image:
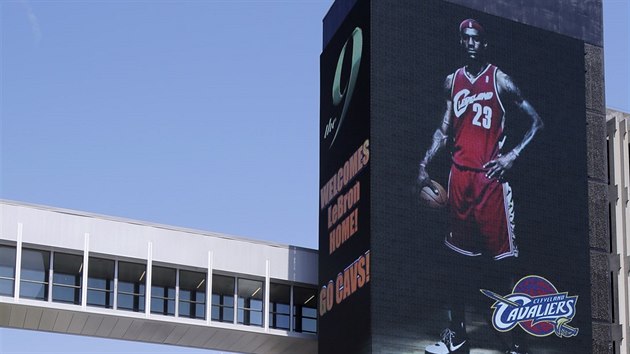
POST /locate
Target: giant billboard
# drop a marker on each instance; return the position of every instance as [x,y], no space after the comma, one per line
[344,199]
[493,111]
[459,165]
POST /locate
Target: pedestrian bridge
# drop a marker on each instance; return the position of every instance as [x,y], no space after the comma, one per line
[72,272]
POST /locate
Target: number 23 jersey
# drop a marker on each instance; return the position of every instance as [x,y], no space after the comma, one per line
[478,118]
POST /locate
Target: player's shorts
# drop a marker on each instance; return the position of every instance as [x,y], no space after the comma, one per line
[481,212]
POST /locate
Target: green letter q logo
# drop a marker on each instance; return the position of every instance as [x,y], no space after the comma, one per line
[337,95]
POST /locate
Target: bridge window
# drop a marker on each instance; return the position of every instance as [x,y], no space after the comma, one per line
[34,274]
[131,286]
[7,270]
[250,302]
[279,306]
[67,273]
[192,294]
[163,291]
[100,283]
[222,298]
[304,310]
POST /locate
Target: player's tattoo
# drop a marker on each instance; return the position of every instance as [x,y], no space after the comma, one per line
[439,141]
[508,88]
[440,137]
[509,91]
[537,124]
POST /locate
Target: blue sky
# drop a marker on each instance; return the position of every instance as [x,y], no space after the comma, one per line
[202,114]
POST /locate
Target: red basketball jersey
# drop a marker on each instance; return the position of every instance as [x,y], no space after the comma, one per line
[478,118]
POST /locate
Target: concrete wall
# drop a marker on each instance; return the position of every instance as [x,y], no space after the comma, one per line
[581,19]
[618,127]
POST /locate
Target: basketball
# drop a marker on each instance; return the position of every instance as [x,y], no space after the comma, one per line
[434,200]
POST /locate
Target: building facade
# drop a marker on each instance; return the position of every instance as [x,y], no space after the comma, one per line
[386,70]
[618,145]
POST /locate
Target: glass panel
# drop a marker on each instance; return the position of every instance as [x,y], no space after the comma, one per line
[7,270]
[223,308]
[101,274]
[256,304]
[131,302]
[256,318]
[305,297]
[184,309]
[66,279]
[250,304]
[67,273]
[103,284]
[35,265]
[193,281]
[223,298]
[67,269]
[199,297]
[66,294]
[309,312]
[280,293]
[279,305]
[131,286]
[282,309]
[163,290]
[131,272]
[184,295]
[227,315]
[280,321]
[309,325]
[32,290]
[222,285]
[192,294]
[163,307]
[215,312]
[163,277]
[200,311]
[100,298]
[163,293]
[304,310]
[7,262]
[6,287]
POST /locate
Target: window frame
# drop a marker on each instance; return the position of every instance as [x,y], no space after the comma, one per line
[7,279]
[111,293]
[26,281]
[57,285]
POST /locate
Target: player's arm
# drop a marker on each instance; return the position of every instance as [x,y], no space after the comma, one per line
[440,137]
[511,93]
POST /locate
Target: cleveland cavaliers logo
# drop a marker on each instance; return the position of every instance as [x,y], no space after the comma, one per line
[462,100]
[536,306]
[344,96]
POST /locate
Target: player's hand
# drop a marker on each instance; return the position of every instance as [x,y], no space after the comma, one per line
[424,180]
[500,165]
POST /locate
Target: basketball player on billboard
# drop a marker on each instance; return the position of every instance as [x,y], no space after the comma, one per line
[479,200]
